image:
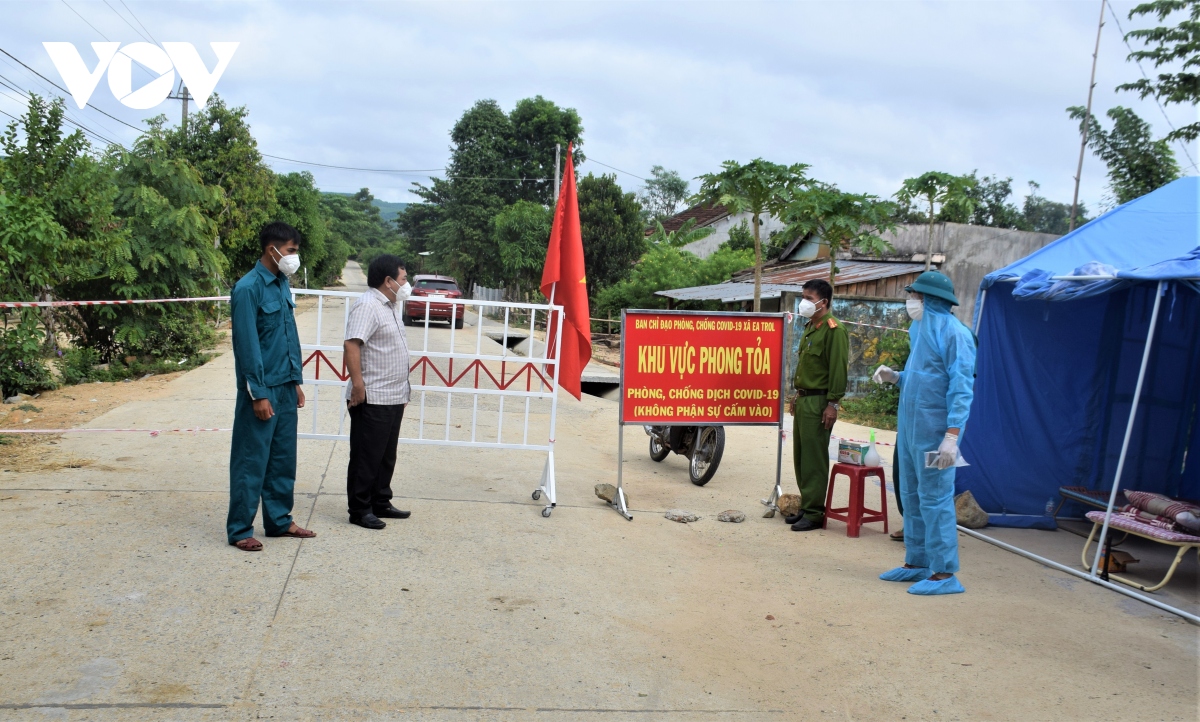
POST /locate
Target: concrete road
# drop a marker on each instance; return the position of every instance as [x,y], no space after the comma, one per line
[120,599]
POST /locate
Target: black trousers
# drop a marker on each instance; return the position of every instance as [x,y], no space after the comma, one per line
[374,430]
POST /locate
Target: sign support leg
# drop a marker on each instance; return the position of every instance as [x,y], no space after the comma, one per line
[618,501]
[778,490]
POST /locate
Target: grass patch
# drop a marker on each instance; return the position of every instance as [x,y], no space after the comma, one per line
[877,408]
[28,407]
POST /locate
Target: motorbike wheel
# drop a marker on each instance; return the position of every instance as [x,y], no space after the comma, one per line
[658,450]
[706,454]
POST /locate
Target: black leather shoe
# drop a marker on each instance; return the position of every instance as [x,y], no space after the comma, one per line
[805,525]
[368,521]
[792,519]
[392,512]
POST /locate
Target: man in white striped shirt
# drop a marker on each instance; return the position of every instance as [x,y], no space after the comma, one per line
[376,353]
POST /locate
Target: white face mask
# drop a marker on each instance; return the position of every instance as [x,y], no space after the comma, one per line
[915,308]
[288,264]
[402,292]
[807,308]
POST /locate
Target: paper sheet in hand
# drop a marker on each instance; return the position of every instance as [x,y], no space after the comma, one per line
[931,460]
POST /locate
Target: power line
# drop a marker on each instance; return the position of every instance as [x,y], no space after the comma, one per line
[25,97]
[365,170]
[67,112]
[1142,70]
[64,90]
[606,165]
[138,20]
[139,32]
[93,27]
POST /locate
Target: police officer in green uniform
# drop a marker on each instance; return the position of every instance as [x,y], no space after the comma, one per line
[266,352]
[820,384]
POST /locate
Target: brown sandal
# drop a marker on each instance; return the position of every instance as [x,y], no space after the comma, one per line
[297,532]
[249,544]
[897,535]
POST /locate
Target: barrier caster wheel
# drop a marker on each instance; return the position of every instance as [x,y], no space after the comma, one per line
[537,495]
[546,512]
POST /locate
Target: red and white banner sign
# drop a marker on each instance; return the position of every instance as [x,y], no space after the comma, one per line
[689,367]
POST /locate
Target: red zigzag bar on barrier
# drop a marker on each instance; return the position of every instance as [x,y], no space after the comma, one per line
[528,369]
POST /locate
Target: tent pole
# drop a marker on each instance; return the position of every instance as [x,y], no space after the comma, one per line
[1075,572]
[979,311]
[1137,395]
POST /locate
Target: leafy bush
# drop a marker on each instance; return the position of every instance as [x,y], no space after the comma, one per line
[81,365]
[22,369]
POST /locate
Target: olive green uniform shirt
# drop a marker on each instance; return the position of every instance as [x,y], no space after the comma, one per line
[824,358]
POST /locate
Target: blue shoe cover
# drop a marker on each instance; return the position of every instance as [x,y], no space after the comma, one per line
[950,585]
[903,574]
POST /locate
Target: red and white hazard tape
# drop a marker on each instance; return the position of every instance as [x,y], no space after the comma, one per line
[152,432]
[791,316]
[871,325]
[55,304]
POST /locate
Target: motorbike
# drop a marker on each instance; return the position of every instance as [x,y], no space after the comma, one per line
[702,445]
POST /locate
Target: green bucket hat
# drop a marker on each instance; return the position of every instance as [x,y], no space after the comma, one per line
[932,283]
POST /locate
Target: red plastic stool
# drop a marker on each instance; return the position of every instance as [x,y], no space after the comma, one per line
[856,514]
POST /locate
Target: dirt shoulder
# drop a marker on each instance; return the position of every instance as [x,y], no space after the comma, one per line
[72,407]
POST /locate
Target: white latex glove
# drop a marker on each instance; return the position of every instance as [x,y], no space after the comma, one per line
[947,452]
[884,375]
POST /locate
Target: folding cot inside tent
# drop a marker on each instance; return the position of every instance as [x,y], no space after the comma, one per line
[1066,351]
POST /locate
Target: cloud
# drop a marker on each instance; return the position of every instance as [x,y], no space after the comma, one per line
[868,93]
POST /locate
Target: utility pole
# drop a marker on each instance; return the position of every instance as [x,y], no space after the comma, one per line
[1087,120]
[181,93]
[557,169]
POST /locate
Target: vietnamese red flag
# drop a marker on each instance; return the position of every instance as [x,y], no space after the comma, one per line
[564,279]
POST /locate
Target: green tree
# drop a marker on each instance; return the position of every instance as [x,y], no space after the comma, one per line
[685,234]
[521,232]
[610,221]
[218,143]
[662,195]
[299,201]
[664,267]
[991,205]
[168,251]
[1137,164]
[356,222]
[1166,45]
[57,227]
[537,126]
[942,192]
[757,187]
[1042,215]
[840,220]
[481,181]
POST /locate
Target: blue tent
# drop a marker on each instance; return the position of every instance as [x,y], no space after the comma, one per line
[1064,336]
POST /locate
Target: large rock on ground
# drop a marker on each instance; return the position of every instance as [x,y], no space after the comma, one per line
[789,504]
[681,516]
[732,515]
[608,492]
[968,511]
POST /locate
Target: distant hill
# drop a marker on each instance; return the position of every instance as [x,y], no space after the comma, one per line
[387,210]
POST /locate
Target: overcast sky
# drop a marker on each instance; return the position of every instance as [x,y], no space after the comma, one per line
[867,93]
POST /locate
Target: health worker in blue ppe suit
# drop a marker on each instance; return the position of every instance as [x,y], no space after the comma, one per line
[936,388]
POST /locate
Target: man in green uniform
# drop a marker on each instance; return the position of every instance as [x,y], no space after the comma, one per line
[820,384]
[266,353]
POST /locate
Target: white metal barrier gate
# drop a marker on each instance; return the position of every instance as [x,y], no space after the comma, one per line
[486,375]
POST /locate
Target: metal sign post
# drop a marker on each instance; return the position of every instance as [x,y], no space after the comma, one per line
[700,368]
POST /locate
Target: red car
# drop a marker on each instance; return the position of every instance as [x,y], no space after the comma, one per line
[433,287]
